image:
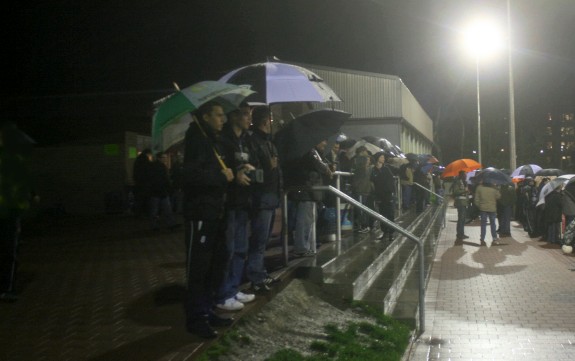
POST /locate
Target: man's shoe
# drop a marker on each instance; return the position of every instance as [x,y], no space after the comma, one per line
[496,242]
[308,253]
[202,328]
[231,304]
[465,236]
[216,321]
[270,280]
[261,288]
[244,297]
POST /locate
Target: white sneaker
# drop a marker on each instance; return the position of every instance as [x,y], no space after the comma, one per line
[231,304]
[245,298]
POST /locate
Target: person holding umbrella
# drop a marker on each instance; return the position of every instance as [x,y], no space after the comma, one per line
[486,196]
[308,171]
[206,180]
[461,201]
[384,192]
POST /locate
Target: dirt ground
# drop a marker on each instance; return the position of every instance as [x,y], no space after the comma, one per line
[293,319]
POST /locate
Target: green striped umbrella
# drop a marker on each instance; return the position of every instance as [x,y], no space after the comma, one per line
[172,110]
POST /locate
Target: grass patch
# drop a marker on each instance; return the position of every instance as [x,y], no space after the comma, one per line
[385,340]
[224,345]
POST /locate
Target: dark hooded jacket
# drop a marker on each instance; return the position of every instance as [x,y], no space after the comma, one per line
[205,185]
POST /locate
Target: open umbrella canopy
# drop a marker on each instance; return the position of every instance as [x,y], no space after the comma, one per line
[397,161]
[553,184]
[372,148]
[306,131]
[281,83]
[492,176]
[549,172]
[465,164]
[385,145]
[173,110]
[525,170]
[427,158]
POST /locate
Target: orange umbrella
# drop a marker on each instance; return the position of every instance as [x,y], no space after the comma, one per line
[453,168]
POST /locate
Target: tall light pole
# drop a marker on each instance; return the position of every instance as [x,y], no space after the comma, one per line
[478,114]
[512,151]
[482,38]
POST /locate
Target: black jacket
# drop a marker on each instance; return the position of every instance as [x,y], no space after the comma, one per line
[238,196]
[204,185]
[383,182]
[306,171]
[266,194]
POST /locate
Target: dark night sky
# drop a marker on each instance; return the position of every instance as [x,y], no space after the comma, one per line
[65,57]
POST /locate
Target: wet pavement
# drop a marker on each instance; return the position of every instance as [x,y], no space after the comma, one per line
[108,288]
[510,302]
[100,288]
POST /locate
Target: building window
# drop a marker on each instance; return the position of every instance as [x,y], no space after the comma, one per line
[567,131]
[548,131]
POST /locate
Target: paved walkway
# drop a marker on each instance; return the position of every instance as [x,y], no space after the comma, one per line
[100,288]
[509,302]
[107,288]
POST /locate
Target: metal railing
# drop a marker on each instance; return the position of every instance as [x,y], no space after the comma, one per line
[339,194]
[435,194]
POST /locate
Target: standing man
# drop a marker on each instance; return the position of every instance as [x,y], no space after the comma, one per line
[505,206]
[16,196]
[461,201]
[160,205]
[486,196]
[384,192]
[265,199]
[240,156]
[307,171]
[406,175]
[206,180]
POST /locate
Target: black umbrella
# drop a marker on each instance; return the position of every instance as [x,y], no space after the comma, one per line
[549,172]
[493,176]
[306,131]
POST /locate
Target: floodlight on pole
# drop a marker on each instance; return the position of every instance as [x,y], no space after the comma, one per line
[482,39]
[512,149]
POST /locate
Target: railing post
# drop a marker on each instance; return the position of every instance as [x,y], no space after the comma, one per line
[285,227]
[338,208]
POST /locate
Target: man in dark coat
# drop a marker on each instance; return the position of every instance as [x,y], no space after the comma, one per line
[309,170]
[265,199]
[241,159]
[384,192]
[206,179]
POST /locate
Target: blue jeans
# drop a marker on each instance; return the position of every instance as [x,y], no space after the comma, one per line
[237,247]
[161,206]
[304,222]
[261,227]
[492,216]
[461,218]
[406,195]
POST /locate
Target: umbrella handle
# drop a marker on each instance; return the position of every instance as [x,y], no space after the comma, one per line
[218,157]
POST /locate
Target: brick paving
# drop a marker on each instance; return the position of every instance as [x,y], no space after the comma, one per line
[509,302]
[107,288]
